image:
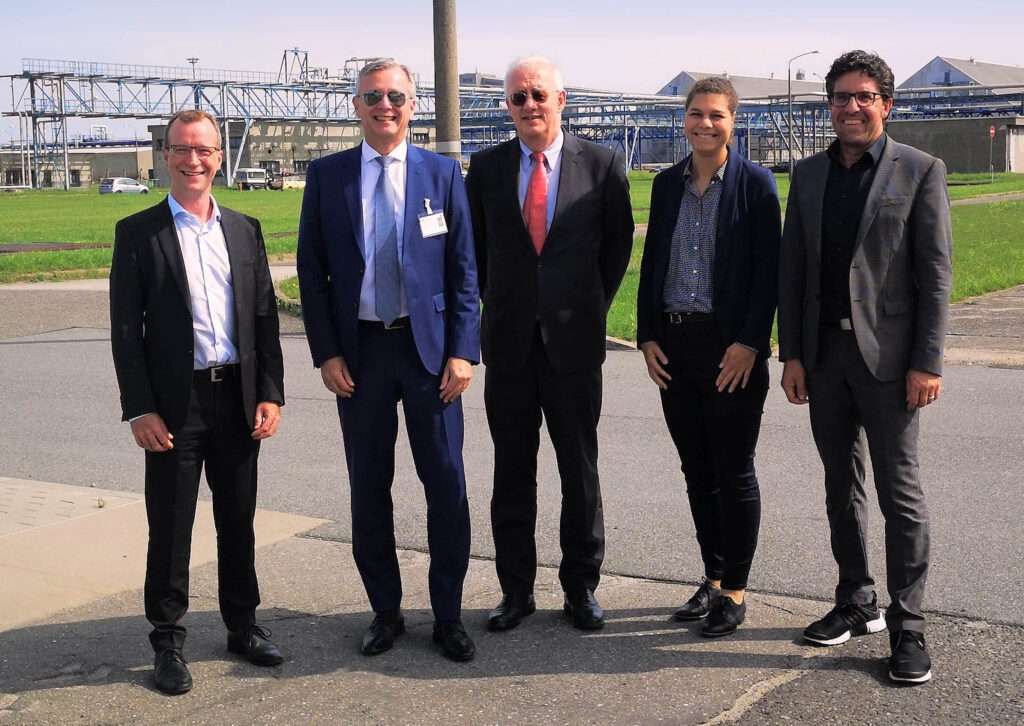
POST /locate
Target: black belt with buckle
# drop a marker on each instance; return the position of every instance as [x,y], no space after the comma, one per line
[396,324]
[215,374]
[679,318]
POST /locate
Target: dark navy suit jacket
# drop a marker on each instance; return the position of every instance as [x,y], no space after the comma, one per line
[439,273]
[745,271]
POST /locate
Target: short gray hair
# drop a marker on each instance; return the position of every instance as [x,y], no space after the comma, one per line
[384,64]
[531,61]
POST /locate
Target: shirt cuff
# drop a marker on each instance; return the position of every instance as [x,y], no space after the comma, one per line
[133,419]
[748,347]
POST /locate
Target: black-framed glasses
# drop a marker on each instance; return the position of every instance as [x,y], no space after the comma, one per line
[840,99]
[183,151]
[519,97]
[395,98]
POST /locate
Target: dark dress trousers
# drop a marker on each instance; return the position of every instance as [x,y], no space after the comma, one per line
[152,339]
[716,433]
[898,292]
[543,342]
[404,364]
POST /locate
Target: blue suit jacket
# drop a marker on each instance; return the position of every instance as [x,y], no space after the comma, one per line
[439,273]
[745,279]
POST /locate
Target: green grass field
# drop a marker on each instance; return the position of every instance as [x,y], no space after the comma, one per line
[988,238]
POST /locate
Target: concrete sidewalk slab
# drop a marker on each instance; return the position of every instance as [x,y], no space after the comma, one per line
[92,664]
[60,549]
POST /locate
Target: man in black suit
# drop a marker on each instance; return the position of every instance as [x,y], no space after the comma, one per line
[194,331]
[553,229]
[864,280]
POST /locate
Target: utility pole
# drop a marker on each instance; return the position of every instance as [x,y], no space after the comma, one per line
[446,81]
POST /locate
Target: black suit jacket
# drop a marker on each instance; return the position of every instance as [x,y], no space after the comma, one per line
[745,282]
[568,288]
[151,315]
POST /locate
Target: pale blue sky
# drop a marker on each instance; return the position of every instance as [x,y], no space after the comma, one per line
[636,45]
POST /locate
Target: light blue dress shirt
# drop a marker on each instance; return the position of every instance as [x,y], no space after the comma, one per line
[209,285]
[369,173]
[553,166]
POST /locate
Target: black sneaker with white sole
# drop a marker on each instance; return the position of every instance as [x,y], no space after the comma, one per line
[909,662]
[843,621]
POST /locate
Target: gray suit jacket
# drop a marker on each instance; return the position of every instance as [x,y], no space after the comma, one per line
[901,275]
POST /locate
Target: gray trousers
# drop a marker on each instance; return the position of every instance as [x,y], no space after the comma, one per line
[847,402]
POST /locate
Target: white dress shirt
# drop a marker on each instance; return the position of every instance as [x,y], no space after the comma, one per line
[369,174]
[553,166]
[209,285]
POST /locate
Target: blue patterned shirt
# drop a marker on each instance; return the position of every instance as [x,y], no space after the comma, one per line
[688,282]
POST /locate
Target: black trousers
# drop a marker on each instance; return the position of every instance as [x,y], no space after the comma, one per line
[846,403]
[215,435]
[571,405]
[715,435]
[391,371]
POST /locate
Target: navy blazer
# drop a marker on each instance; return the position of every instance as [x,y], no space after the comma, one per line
[745,284]
[439,273]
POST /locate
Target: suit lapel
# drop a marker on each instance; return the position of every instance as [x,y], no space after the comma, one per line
[167,236]
[509,190]
[415,193]
[569,183]
[882,175]
[235,242]
[351,182]
[673,202]
[813,199]
[723,225]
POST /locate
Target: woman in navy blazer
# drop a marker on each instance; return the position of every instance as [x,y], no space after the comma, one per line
[708,289]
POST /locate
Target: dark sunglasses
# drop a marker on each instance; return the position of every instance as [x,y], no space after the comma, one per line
[372,98]
[519,97]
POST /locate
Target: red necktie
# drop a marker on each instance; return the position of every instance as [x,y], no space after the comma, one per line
[535,208]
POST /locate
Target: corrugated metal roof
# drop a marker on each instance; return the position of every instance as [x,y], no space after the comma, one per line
[986,74]
[746,86]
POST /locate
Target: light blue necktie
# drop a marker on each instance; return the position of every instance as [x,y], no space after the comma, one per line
[386,269]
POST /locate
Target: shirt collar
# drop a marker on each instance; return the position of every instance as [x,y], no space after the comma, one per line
[874,152]
[551,153]
[719,174]
[399,153]
[177,209]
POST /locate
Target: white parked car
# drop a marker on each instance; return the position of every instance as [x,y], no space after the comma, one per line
[122,185]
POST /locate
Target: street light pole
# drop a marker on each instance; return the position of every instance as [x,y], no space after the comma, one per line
[789,96]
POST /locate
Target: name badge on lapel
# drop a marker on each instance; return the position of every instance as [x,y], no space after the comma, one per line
[432,223]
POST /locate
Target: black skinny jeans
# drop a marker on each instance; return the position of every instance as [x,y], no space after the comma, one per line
[715,435]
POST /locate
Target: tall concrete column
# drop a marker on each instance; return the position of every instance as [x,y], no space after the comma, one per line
[446,81]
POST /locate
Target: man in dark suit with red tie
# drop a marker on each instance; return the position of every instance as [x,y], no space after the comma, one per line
[554,230]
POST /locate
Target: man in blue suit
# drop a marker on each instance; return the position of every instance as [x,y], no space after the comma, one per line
[387,276]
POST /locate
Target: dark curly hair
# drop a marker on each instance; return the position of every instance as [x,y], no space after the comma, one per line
[714,85]
[871,64]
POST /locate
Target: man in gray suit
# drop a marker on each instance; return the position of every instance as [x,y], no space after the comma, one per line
[865,278]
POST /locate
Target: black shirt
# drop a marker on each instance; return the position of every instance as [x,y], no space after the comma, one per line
[846,192]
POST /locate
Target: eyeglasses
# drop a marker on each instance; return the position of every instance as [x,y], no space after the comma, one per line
[372,98]
[840,99]
[519,97]
[183,151]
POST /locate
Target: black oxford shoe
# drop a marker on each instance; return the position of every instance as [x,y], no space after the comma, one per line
[510,612]
[698,606]
[255,646]
[170,672]
[454,641]
[381,634]
[584,610]
[724,618]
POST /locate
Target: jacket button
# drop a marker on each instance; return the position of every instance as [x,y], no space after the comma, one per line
[540,265]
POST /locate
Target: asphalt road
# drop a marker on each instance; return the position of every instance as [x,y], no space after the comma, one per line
[61,424]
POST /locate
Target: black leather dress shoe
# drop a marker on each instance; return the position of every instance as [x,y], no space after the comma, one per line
[698,606]
[170,672]
[381,634]
[584,610]
[510,611]
[724,618]
[255,646]
[454,641]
